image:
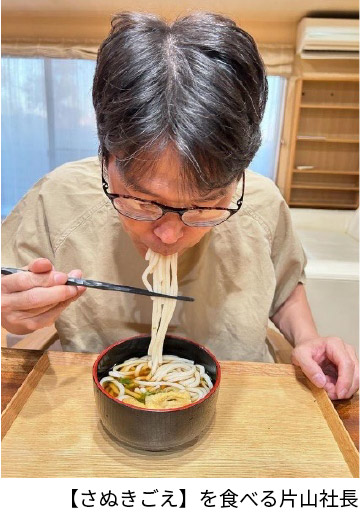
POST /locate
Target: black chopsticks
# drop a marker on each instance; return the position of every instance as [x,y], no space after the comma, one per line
[94,284]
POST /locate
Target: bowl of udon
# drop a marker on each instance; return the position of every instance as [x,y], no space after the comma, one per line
[160,409]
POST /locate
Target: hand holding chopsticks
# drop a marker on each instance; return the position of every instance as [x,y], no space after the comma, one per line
[35,298]
[107,286]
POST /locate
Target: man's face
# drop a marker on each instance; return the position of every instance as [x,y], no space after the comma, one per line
[168,234]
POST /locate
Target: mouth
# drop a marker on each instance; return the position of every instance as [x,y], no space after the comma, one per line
[164,250]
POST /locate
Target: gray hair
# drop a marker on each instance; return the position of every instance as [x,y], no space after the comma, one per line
[198,84]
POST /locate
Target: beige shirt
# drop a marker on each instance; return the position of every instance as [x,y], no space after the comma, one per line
[239,273]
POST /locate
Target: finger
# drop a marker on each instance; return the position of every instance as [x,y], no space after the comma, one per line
[355,386]
[48,318]
[311,369]
[38,297]
[337,353]
[351,351]
[23,281]
[355,382]
[66,303]
[40,265]
[80,292]
[23,315]
[330,389]
[77,273]
[45,316]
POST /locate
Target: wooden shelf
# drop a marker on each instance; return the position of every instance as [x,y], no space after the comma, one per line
[335,139]
[324,195]
[328,206]
[343,106]
[350,78]
[326,171]
[337,183]
[326,140]
[323,187]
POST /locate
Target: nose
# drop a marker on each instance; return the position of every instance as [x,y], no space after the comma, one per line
[169,228]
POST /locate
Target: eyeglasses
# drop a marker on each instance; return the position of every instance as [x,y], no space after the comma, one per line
[144,210]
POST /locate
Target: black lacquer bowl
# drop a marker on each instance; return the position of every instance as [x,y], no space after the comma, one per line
[155,430]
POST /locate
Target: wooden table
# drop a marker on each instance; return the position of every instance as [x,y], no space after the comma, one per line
[17,364]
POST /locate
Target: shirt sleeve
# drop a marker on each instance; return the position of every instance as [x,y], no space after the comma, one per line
[25,233]
[288,258]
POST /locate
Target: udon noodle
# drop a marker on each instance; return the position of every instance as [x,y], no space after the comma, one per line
[164,271]
[155,380]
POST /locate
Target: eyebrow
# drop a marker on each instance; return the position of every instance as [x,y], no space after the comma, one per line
[137,187]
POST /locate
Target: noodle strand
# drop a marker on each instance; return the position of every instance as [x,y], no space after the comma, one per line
[168,373]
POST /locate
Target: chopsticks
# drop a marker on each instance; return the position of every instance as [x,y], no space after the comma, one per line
[94,284]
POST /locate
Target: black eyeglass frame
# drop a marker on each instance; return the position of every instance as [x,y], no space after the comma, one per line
[169,209]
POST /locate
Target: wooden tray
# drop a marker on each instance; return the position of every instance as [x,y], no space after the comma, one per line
[270,422]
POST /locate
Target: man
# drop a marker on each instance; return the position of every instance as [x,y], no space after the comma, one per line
[178,110]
